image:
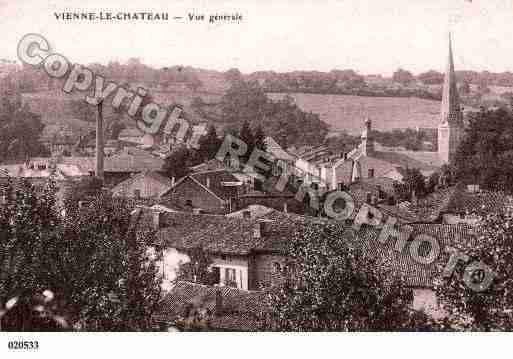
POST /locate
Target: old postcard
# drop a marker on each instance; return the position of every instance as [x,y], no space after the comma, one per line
[312,166]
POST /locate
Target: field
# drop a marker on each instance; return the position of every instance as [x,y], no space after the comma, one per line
[346,113]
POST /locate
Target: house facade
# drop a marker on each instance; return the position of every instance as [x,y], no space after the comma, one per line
[210,191]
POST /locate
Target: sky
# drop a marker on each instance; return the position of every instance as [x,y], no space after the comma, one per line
[369,36]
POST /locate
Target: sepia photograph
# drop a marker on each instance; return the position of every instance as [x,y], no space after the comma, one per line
[255,168]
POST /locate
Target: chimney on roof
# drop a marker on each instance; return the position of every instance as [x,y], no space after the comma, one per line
[196,210]
[246,214]
[208,182]
[285,207]
[173,181]
[99,143]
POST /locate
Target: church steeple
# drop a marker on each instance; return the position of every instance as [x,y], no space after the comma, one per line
[450,100]
[450,129]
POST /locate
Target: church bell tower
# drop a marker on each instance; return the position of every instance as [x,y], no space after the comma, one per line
[450,129]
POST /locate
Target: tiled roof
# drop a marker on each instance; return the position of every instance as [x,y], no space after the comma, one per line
[237,310]
[217,234]
[133,160]
[124,186]
[216,180]
[415,274]
[430,208]
[129,160]
[466,202]
[211,165]
[255,210]
[220,234]
[277,151]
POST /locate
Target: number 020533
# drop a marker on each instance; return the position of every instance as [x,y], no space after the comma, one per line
[23,345]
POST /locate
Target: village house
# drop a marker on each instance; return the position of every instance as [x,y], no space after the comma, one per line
[208,192]
[147,185]
[283,161]
[119,166]
[39,170]
[250,253]
[247,253]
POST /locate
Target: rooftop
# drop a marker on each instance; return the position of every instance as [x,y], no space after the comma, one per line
[228,308]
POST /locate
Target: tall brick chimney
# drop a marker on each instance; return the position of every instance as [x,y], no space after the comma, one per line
[99,143]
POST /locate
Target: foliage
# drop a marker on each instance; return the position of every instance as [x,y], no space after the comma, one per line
[198,269]
[330,285]
[247,102]
[488,309]
[83,190]
[485,155]
[83,110]
[408,138]
[39,313]
[431,77]
[95,259]
[464,88]
[179,162]
[402,76]
[20,130]
[209,144]
[246,136]
[259,138]
[413,184]
[342,142]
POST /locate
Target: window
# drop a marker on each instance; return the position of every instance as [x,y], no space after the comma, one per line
[137,193]
[230,277]
[216,275]
[188,203]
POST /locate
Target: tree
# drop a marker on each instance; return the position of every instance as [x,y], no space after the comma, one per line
[259,138]
[412,186]
[97,259]
[20,129]
[288,124]
[431,77]
[179,162]
[464,87]
[84,111]
[403,77]
[209,144]
[477,293]
[331,285]
[246,135]
[198,269]
[114,129]
[233,75]
[485,155]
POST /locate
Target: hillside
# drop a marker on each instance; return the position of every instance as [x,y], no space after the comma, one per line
[346,113]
